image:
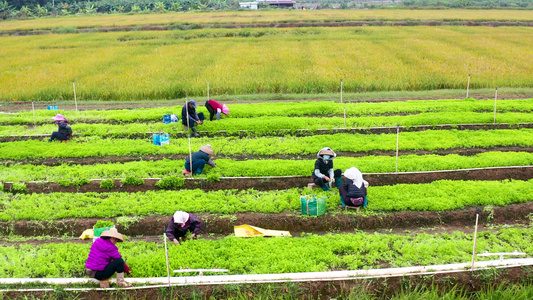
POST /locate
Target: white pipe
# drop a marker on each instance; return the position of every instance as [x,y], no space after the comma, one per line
[292,277]
[397,145]
[468,86]
[75,98]
[166,255]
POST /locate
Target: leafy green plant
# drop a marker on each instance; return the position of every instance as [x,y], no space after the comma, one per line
[19,187]
[132,180]
[213,177]
[65,183]
[1,186]
[125,221]
[107,184]
[80,182]
[169,183]
[102,224]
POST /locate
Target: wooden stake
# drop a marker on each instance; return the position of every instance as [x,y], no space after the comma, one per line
[34,120]
[75,98]
[166,254]
[397,145]
[188,134]
[468,86]
[342,83]
[475,242]
[495,100]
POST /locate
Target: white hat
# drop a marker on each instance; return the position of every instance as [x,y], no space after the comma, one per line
[207,149]
[113,232]
[181,217]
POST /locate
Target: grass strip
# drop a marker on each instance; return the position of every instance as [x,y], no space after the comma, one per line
[274,255]
[257,168]
[436,196]
[426,140]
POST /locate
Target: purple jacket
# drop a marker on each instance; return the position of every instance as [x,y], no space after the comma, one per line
[102,253]
[193,224]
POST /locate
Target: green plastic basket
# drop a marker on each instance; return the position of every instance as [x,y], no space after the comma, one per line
[313,205]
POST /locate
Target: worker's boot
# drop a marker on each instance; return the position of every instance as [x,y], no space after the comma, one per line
[104,284]
[194,132]
[121,282]
[199,171]
[342,202]
[325,187]
[338,182]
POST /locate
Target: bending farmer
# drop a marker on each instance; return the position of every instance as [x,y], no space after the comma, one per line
[199,159]
[180,223]
[215,107]
[353,191]
[193,119]
[64,132]
[323,173]
[104,259]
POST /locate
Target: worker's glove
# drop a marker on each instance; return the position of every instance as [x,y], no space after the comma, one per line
[211,163]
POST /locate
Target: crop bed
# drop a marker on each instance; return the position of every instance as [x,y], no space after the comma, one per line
[422,205]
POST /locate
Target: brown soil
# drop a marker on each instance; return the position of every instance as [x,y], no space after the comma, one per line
[267,184]
[339,221]
[380,288]
[300,132]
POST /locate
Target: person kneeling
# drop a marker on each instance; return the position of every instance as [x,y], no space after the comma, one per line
[104,259]
[353,191]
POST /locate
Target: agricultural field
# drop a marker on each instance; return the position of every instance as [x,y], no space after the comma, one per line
[433,164]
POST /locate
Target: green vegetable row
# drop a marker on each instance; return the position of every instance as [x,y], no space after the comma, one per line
[256,168]
[426,140]
[438,195]
[274,255]
[276,126]
[253,110]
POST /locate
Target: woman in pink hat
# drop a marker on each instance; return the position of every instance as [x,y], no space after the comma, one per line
[215,107]
[64,132]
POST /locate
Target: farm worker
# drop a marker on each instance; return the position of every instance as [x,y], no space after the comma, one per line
[215,107]
[353,191]
[323,173]
[199,160]
[64,132]
[180,223]
[193,117]
[104,259]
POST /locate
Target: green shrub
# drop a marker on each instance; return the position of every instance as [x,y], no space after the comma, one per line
[65,183]
[169,183]
[107,184]
[101,224]
[19,187]
[213,177]
[81,182]
[1,186]
[126,221]
[132,180]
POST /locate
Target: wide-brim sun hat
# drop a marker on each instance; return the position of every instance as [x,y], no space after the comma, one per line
[207,149]
[326,152]
[193,103]
[59,117]
[113,232]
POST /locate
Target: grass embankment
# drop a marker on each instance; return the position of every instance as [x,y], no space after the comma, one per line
[169,65]
[254,17]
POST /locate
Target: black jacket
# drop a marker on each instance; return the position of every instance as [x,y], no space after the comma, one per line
[352,190]
[323,167]
[64,129]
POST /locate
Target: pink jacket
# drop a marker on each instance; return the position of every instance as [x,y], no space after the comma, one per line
[102,253]
[215,105]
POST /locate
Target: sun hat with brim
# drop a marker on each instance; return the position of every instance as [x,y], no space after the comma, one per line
[207,149]
[326,152]
[113,232]
[193,103]
[59,117]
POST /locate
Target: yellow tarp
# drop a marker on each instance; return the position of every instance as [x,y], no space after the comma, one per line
[87,234]
[251,231]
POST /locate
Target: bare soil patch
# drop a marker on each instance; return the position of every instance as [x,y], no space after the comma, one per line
[334,221]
